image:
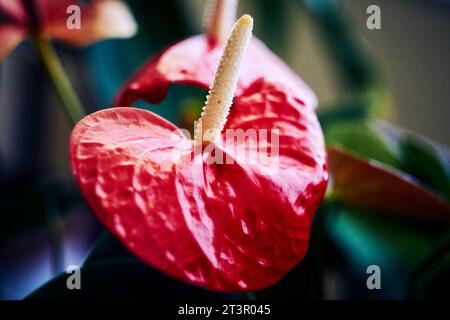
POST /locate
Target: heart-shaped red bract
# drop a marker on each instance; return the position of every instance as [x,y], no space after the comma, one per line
[226,227]
[194,62]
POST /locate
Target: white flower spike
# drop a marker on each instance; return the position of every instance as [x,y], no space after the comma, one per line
[222,90]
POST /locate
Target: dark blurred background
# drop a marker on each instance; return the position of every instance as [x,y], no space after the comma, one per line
[410,55]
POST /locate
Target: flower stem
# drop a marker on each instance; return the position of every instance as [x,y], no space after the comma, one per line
[55,70]
[223,87]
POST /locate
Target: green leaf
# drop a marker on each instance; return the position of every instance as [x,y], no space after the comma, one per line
[363,140]
[423,161]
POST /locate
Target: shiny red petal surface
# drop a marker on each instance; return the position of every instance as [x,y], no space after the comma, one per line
[194,62]
[227,227]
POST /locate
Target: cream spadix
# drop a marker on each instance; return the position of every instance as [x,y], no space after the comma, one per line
[223,87]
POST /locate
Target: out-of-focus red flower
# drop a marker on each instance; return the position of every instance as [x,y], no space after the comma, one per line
[100,19]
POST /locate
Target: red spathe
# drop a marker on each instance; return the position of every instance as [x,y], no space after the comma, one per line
[226,227]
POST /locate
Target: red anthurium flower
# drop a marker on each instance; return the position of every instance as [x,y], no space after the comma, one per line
[239,225]
[99,19]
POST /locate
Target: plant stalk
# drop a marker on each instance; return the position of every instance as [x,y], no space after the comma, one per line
[55,70]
